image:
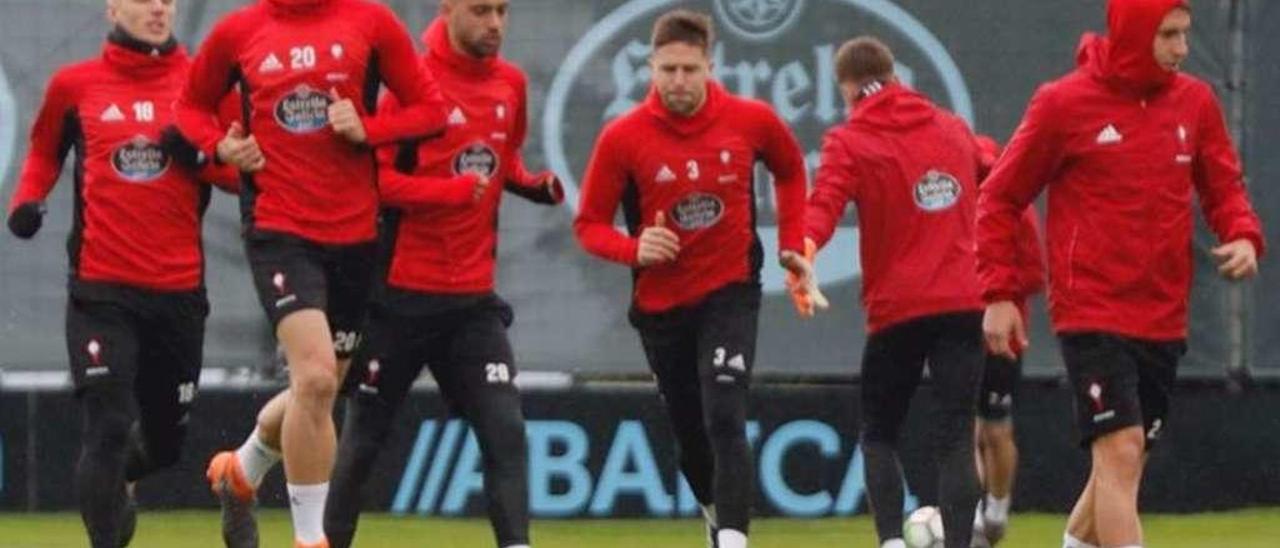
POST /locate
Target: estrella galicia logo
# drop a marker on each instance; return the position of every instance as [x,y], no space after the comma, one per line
[476,158]
[304,110]
[777,51]
[697,210]
[140,161]
[758,19]
[936,191]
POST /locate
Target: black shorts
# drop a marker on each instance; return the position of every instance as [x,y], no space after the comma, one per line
[894,361]
[1120,382]
[1000,378]
[713,341]
[462,340]
[292,274]
[151,342]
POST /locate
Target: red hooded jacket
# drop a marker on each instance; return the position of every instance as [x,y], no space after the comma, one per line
[137,205]
[699,171]
[443,243]
[1121,144]
[911,169]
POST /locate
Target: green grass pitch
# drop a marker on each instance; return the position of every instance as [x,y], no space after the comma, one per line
[181,529]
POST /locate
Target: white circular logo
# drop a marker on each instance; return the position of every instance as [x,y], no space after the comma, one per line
[758,20]
[936,191]
[606,74]
[476,158]
[140,161]
[304,110]
[697,211]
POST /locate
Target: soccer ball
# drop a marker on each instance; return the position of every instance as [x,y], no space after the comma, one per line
[923,528]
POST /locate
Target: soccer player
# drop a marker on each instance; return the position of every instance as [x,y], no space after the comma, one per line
[681,164]
[996,446]
[438,305]
[911,169]
[1122,142]
[137,306]
[309,72]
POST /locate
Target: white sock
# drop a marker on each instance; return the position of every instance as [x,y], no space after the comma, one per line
[997,510]
[1069,541]
[978,524]
[256,459]
[306,503]
[894,543]
[709,513]
[731,538]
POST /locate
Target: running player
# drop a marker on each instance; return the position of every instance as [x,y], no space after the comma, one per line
[438,306]
[137,306]
[309,73]
[681,164]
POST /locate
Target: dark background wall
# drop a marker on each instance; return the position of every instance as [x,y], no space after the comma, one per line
[570,308]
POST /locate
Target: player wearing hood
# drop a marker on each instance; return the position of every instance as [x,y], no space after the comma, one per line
[1122,143]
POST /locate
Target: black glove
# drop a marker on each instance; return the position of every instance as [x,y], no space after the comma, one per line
[182,151]
[25,219]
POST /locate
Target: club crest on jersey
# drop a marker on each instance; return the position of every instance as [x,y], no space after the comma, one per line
[305,110]
[140,160]
[336,50]
[96,367]
[936,191]
[476,158]
[697,210]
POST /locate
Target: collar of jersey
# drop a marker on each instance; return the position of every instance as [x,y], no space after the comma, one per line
[133,56]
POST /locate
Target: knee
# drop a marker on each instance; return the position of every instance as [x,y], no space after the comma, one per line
[108,421]
[725,423]
[1119,454]
[997,435]
[315,382]
[502,432]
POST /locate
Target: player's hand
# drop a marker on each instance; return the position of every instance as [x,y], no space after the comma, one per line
[801,281]
[658,244]
[345,119]
[479,185]
[1237,260]
[26,219]
[552,185]
[1003,329]
[241,150]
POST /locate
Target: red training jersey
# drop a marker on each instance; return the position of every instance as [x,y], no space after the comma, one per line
[137,208]
[289,56]
[443,242]
[698,170]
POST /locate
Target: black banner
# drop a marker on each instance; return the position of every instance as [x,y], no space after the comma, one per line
[598,453]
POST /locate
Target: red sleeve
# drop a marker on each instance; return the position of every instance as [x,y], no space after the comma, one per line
[988,152]
[224,176]
[520,182]
[1030,260]
[399,187]
[835,186]
[422,105]
[785,160]
[1220,182]
[208,83]
[602,188]
[50,143]
[1028,163]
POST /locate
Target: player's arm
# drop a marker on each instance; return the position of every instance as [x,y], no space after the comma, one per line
[540,188]
[1027,164]
[1030,260]
[835,185]
[785,160]
[421,111]
[212,75]
[51,140]
[222,175]
[602,188]
[399,187]
[1220,184]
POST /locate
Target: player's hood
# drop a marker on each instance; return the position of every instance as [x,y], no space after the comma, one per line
[894,106]
[689,125]
[1125,58]
[436,38]
[140,59]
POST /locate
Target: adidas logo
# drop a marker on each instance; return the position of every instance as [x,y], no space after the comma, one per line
[270,64]
[1109,136]
[456,118]
[112,114]
[665,175]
